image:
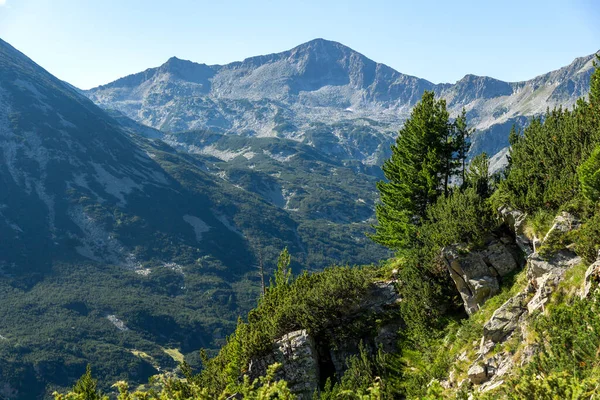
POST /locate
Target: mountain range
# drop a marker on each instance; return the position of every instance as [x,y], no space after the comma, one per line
[326,95]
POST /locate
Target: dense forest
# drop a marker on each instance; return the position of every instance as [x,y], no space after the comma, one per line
[433,197]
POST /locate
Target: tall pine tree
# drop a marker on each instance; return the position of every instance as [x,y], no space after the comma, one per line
[417,173]
[461,143]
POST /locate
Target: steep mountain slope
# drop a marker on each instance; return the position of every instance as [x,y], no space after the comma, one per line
[329,86]
[66,160]
[332,202]
[117,250]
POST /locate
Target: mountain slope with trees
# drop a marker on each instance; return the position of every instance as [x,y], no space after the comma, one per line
[120,250]
[536,337]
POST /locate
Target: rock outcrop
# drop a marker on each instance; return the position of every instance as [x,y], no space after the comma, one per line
[592,278]
[477,274]
[515,221]
[561,225]
[297,353]
[544,273]
[504,321]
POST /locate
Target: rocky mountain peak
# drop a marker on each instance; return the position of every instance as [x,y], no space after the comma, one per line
[187,71]
[472,87]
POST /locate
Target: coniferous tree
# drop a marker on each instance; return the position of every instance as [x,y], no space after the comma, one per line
[284,273]
[87,387]
[595,86]
[417,173]
[589,176]
[478,175]
[461,142]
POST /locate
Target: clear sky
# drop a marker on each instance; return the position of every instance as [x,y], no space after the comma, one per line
[92,42]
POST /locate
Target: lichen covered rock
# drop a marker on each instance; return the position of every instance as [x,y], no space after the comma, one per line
[297,353]
[515,220]
[477,274]
[505,319]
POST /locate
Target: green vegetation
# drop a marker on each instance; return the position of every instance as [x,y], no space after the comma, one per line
[331,215]
[552,167]
[589,176]
[171,388]
[424,158]
[317,302]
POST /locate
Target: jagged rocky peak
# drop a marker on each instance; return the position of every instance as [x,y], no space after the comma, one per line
[329,63]
[187,70]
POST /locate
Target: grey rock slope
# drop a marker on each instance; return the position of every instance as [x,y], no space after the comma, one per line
[327,84]
[71,178]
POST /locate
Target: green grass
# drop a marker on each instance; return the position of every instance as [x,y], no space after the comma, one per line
[175,355]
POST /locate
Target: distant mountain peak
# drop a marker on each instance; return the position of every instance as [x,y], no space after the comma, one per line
[175,63]
[323,46]
[174,60]
[323,43]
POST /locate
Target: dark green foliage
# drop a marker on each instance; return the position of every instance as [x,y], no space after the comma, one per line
[420,212]
[316,302]
[87,386]
[589,176]
[166,387]
[595,87]
[461,143]
[416,173]
[425,291]
[329,201]
[478,176]
[284,272]
[429,152]
[462,217]
[587,239]
[365,373]
[544,161]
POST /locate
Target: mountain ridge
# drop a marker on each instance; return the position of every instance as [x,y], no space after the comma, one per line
[269,56]
[287,94]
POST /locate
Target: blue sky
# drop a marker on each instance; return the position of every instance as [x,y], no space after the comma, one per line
[92,42]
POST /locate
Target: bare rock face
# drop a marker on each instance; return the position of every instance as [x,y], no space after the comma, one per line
[297,353]
[476,274]
[537,266]
[477,374]
[515,220]
[488,373]
[499,364]
[499,259]
[592,278]
[505,319]
[544,273]
[381,296]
